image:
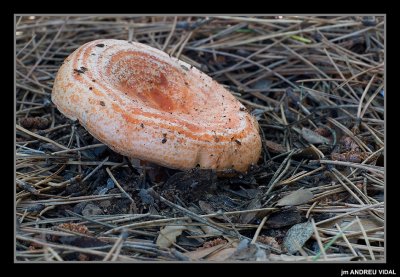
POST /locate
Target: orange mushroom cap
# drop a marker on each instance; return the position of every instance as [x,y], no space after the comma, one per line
[145,104]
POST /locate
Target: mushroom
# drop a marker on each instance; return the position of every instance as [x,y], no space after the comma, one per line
[145,104]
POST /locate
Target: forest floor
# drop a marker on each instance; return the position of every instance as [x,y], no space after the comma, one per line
[316,87]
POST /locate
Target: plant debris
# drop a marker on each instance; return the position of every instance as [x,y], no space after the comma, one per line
[316,87]
[297,197]
[296,236]
[34,122]
[168,235]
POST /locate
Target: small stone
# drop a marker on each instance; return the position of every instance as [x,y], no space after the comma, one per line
[91,209]
[146,197]
[78,208]
[297,236]
[105,204]
[110,183]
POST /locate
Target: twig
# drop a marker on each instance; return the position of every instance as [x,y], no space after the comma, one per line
[188,213]
[349,213]
[78,149]
[365,238]
[119,186]
[321,247]
[259,229]
[40,137]
[360,166]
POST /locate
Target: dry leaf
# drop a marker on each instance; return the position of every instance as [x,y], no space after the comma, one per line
[275,147]
[297,197]
[316,96]
[247,217]
[210,231]
[169,234]
[313,137]
[202,252]
[367,222]
[221,255]
[206,207]
[297,235]
[247,251]
[323,132]
[307,153]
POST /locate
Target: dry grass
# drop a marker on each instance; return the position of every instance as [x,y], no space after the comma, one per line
[315,85]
